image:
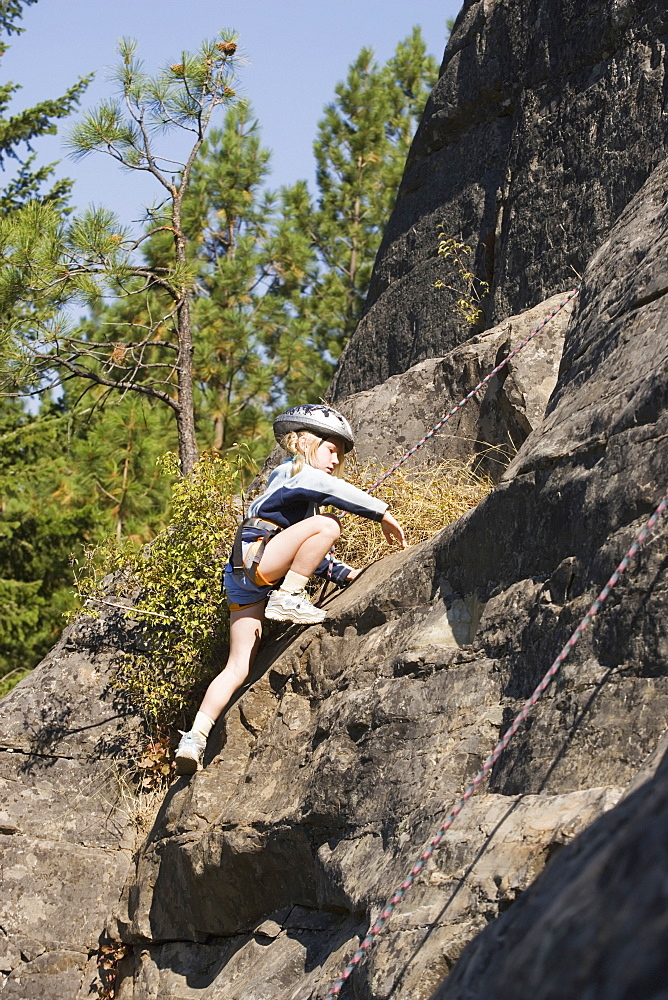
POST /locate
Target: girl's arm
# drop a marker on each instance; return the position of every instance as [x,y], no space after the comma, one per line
[319,487]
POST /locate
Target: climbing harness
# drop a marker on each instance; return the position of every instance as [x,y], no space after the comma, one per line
[266,531]
[398,895]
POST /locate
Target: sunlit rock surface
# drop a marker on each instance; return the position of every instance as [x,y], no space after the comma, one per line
[328,776]
[327,779]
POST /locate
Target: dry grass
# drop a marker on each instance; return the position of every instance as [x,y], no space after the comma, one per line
[423,501]
[141,805]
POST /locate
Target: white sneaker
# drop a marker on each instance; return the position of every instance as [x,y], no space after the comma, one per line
[285,607]
[189,753]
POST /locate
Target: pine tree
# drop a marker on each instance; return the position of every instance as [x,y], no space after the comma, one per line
[360,151]
[18,131]
[253,262]
[114,469]
[94,255]
[69,479]
[248,265]
[38,533]
[302,367]
[231,215]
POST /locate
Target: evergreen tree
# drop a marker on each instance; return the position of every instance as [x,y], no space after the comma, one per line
[231,215]
[38,533]
[69,479]
[302,368]
[248,259]
[254,258]
[360,151]
[18,131]
[94,256]
[113,467]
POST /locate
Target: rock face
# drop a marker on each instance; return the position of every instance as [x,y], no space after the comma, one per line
[546,120]
[595,923]
[65,834]
[391,417]
[567,938]
[487,432]
[328,776]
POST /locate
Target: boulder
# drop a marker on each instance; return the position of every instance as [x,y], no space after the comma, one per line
[66,828]
[490,428]
[487,432]
[592,924]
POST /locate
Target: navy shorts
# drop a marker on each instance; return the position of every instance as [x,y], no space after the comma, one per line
[240,589]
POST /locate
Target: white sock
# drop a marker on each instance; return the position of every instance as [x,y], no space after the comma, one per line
[293,582]
[202,725]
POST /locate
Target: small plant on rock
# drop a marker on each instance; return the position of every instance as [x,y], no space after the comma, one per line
[472,291]
[155,765]
[109,955]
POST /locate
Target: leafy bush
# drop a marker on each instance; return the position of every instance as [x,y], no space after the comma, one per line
[175,584]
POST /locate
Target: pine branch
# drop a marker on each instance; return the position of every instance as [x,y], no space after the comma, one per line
[146,390]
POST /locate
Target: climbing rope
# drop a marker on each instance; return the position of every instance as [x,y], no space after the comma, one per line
[471,394]
[399,893]
[436,428]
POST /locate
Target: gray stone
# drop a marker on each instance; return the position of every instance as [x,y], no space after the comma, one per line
[53,974]
[545,122]
[492,426]
[487,431]
[593,924]
[65,833]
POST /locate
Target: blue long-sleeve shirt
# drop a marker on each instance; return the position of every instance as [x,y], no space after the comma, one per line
[289,499]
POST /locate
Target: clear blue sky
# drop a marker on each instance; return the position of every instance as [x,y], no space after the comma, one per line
[298,50]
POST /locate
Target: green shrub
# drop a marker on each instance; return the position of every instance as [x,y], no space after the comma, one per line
[175,587]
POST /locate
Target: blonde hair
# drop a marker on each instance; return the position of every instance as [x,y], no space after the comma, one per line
[307,454]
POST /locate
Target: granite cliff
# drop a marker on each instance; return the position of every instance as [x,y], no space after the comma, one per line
[327,777]
[546,120]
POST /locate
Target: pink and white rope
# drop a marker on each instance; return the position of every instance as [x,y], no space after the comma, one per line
[529,704]
[471,394]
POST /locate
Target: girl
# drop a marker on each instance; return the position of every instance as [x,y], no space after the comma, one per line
[283,542]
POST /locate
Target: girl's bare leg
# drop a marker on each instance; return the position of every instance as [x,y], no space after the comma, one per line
[245,632]
[300,547]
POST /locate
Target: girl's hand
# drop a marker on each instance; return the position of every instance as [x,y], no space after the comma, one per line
[392,530]
[354,573]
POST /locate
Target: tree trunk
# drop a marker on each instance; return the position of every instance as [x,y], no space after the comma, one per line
[185,419]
